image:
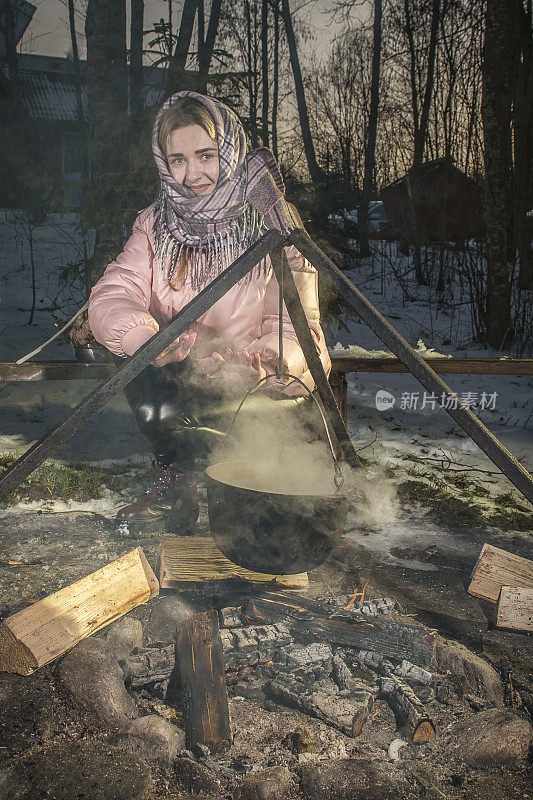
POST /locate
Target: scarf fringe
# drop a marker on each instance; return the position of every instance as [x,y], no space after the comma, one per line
[219,248]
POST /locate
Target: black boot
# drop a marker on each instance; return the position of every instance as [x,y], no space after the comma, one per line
[171,500]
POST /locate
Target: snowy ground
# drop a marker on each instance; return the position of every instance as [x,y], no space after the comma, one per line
[410,435]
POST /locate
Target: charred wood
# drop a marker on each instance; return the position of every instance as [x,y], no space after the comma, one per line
[347,714]
[390,639]
[411,673]
[408,710]
[200,665]
[148,665]
[367,608]
[256,636]
[230,618]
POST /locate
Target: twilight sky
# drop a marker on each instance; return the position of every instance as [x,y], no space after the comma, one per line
[48,32]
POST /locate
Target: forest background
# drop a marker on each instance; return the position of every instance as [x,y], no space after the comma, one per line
[388,87]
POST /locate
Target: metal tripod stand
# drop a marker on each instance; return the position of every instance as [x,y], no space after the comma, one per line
[272,243]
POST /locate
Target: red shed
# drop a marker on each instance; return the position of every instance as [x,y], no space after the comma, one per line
[449,204]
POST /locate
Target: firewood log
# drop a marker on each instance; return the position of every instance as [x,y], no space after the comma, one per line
[347,714]
[408,709]
[200,665]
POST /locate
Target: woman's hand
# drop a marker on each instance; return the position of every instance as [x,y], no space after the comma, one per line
[177,351]
[234,367]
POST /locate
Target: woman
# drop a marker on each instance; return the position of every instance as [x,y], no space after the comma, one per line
[215,201]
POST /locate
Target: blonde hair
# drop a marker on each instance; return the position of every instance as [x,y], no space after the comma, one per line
[184,112]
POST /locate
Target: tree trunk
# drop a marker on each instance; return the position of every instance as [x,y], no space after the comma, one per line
[370,149]
[264,70]
[76,62]
[523,149]
[206,53]
[178,62]
[420,125]
[275,89]
[106,80]
[136,59]
[316,173]
[498,74]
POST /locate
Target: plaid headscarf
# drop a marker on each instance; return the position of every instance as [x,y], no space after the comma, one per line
[247,200]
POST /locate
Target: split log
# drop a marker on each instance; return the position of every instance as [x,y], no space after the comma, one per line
[408,710]
[496,568]
[515,609]
[200,666]
[347,714]
[50,627]
[304,619]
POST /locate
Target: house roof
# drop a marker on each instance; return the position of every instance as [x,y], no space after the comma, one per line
[49,88]
[428,168]
[51,97]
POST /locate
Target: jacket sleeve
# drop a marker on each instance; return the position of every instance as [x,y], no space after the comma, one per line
[306,280]
[119,304]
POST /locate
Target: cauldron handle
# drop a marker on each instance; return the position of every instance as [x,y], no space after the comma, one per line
[338,478]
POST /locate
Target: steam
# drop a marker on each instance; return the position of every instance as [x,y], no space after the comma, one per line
[274,446]
[376,500]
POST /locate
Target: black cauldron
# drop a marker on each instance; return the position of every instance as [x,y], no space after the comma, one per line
[269,531]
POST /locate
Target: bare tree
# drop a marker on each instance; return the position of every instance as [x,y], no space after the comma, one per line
[499,69]
[316,173]
[264,71]
[178,62]
[136,58]
[523,145]
[371,134]
[106,79]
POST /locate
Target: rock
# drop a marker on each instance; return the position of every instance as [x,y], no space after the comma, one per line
[352,779]
[498,735]
[123,636]
[153,738]
[91,676]
[166,613]
[482,680]
[271,783]
[68,770]
[195,777]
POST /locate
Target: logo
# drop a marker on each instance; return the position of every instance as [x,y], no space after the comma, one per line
[384,400]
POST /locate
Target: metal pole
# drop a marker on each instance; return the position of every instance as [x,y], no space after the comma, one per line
[96,400]
[429,379]
[278,258]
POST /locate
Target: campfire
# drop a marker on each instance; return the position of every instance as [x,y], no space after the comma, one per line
[252,692]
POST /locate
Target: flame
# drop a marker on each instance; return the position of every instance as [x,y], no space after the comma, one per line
[355,595]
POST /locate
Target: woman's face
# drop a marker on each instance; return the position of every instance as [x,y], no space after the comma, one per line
[193,158]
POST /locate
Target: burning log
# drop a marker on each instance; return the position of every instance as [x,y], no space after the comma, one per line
[408,710]
[305,619]
[368,608]
[200,665]
[347,714]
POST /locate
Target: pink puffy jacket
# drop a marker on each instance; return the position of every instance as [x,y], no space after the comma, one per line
[133,298]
